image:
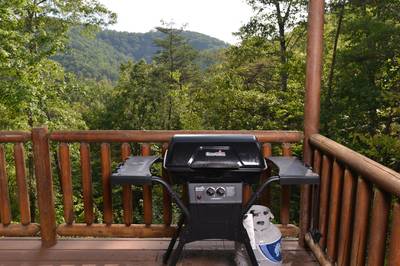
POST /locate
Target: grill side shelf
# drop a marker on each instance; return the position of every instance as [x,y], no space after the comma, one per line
[292,171]
[135,170]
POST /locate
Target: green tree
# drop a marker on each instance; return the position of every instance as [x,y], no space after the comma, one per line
[361,99]
[136,100]
[176,68]
[273,20]
[34,30]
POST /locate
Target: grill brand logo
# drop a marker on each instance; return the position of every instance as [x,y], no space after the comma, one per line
[215,154]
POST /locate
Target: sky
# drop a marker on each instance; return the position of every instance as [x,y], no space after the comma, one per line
[217,18]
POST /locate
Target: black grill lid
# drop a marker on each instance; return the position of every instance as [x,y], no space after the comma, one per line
[224,152]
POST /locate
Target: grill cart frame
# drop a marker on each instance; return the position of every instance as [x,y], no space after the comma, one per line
[214,168]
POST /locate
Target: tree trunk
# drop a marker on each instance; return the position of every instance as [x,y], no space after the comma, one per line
[333,62]
[282,46]
[332,68]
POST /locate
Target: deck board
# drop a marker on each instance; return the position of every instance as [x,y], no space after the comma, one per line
[127,252]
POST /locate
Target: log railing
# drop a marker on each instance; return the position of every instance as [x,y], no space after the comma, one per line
[48,167]
[149,141]
[12,226]
[359,208]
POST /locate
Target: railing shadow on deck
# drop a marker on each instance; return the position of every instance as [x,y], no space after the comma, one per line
[358,203]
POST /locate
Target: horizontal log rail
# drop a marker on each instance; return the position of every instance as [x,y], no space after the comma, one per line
[376,173]
[14,136]
[160,136]
[358,198]
[137,230]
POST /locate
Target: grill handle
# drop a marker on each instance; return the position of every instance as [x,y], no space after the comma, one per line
[214,165]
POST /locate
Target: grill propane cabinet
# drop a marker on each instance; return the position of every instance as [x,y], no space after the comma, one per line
[214,169]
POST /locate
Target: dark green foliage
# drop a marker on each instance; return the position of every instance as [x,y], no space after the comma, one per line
[361,109]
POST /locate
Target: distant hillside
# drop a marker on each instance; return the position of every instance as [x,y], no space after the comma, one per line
[101,56]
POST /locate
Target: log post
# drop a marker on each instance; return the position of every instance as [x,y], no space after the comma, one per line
[44,184]
[312,99]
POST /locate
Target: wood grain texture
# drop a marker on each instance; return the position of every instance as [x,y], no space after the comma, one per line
[135,251]
[19,230]
[167,207]
[381,176]
[20,174]
[334,210]
[318,252]
[66,182]
[139,230]
[305,211]
[5,210]
[285,190]
[160,136]
[105,173]
[359,237]
[265,198]
[115,230]
[44,186]
[86,174]
[349,185]
[394,246]
[324,193]
[147,192]
[14,136]
[127,194]
[378,228]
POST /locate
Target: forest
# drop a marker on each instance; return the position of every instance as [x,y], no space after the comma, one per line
[256,84]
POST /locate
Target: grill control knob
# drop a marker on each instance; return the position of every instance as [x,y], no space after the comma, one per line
[210,191]
[220,191]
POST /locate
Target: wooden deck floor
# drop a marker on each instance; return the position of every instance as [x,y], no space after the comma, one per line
[124,252]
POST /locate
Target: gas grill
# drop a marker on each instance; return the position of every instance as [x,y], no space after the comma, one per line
[214,168]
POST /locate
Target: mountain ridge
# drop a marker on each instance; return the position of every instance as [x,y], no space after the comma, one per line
[100,56]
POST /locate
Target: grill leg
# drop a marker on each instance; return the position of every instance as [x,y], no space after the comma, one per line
[177,252]
[249,249]
[173,240]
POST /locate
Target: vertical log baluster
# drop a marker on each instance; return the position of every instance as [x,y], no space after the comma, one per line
[349,185]
[324,199]
[167,213]
[334,210]
[86,183]
[147,196]
[66,182]
[394,246]
[317,157]
[378,228]
[265,198]
[44,184]
[105,173]
[5,210]
[317,161]
[20,172]
[127,197]
[359,238]
[285,190]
